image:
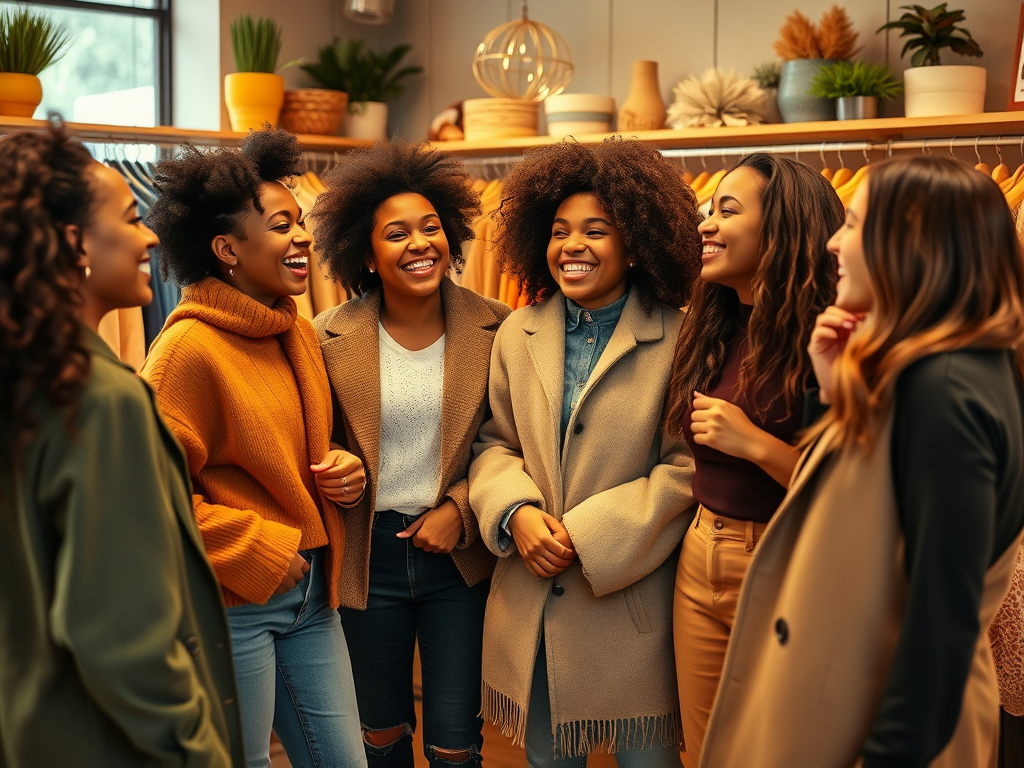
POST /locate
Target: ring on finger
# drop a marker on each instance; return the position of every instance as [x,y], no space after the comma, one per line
[344,490]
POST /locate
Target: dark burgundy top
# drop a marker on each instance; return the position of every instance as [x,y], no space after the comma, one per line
[727,485]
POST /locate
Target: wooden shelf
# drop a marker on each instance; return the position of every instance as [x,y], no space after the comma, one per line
[165,134]
[875,131]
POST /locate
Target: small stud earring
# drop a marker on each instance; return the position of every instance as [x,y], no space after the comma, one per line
[371,270]
[88,272]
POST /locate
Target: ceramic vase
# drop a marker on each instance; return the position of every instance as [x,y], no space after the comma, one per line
[796,104]
[644,109]
[19,94]
[252,99]
[571,114]
[856,107]
[949,89]
[367,120]
[771,105]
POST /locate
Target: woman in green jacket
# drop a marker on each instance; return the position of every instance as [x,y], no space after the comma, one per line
[114,647]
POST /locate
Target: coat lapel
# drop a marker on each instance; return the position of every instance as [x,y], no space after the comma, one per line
[470,326]
[351,356]
[546,345]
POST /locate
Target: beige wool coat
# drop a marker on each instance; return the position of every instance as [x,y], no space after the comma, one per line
[350,341]
[622,490]
[818,622]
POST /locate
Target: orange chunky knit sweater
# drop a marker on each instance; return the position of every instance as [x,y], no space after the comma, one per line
[243,388]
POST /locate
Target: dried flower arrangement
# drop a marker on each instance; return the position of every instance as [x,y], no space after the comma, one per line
[832,38]
[717,98]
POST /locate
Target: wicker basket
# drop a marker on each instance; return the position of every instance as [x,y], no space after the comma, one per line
[313,110]
[494,118]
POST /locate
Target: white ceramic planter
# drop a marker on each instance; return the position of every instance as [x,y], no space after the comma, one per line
[367,120]
[579,113]
[950,89]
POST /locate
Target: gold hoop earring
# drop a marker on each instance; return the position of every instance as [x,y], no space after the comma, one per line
[231,271]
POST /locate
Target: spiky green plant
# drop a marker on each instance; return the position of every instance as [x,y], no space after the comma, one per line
[845,78]
[256,43]
[363,74]
[930,31]
[767,75]
[30,42]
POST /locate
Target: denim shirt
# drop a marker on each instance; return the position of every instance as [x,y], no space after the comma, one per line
[587,332]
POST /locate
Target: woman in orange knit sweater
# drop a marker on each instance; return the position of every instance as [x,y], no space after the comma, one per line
[240,380]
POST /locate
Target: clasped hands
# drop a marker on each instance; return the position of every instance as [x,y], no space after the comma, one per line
[542,541]
[340,477]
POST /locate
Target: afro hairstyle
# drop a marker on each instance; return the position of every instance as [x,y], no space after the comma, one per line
[203,194]
[642,191]
[344,215]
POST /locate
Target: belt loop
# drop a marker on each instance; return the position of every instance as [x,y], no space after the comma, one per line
[750,535]
[696,520]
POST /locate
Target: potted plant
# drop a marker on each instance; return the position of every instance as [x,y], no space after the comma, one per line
[767,77]
[856,87]
[29,43]
[254,94]
[368,78]
[805,48]
[932,88]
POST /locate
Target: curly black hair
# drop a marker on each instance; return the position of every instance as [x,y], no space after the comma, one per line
[344,215]
[203,194]
[641,190]
[44,187]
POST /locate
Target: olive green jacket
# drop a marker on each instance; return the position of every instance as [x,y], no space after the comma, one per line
[114,646]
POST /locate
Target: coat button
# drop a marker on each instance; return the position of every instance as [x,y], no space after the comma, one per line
[781,631]
[192,644]
[557,590]
[578,428]
[719,524]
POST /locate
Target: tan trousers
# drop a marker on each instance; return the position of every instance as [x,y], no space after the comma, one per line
[716,554]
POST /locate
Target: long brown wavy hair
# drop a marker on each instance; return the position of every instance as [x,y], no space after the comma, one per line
[794,282]
[43,188]
[947,273]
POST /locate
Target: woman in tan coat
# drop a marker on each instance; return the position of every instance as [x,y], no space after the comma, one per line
[576,486]
[860,636]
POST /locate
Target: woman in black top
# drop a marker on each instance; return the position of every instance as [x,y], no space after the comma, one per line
[907,509]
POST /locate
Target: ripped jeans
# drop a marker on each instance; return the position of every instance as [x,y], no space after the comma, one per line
[417,595]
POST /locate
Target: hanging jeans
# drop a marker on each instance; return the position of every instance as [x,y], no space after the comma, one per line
[417,595]
[294,676]
[716,554]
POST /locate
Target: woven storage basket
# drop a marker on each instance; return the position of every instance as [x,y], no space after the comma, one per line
[313,110]
[495,118]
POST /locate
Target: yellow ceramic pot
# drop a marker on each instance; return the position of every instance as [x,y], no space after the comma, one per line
[19,94]
[253,98]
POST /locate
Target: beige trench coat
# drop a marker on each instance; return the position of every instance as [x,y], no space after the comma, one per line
[818,621]
[622,489]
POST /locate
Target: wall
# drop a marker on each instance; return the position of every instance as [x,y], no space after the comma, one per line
[684,36]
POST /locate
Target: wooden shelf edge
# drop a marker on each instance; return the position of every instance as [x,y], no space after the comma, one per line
[877,130]
[169,134]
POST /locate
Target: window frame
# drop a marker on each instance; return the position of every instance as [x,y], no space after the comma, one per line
[161,15]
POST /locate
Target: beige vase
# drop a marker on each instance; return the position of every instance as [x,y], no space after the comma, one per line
[644,109]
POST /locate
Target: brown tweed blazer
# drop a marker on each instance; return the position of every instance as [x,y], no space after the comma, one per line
[350,342]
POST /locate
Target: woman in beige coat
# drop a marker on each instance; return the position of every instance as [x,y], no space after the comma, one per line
[576,486]
[860,636]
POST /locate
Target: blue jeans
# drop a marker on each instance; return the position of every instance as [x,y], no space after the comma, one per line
[294,675]
[540,741]
[417,594]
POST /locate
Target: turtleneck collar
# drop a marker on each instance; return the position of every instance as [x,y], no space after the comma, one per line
[216,303]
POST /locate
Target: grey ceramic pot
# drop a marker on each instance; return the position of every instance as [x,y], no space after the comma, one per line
[856,107]
[795,101]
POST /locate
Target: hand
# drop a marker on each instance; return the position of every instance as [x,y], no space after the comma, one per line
[831,331]
[340,477]
[542,541]
[723,426]
[437,530]
[297,570]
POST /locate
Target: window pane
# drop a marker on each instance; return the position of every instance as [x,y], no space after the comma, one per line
[109,73]
[129,3]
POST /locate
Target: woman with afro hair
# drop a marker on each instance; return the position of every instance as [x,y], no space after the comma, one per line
[408,363]
[116,649]
[239,377]
[576,485]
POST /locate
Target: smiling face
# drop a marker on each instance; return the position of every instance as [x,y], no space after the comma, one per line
[853,292]
[115,246]
[270,258]
[410,249]
[731,233]
[586,253]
